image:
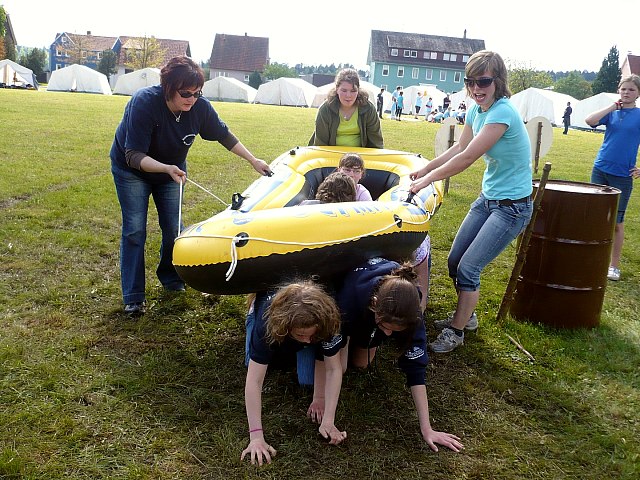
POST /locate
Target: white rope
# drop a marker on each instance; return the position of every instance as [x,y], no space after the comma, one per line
[205,190]
[234,259]
[180,209]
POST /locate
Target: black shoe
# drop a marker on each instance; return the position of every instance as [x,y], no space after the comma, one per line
[175,288]
[134,309]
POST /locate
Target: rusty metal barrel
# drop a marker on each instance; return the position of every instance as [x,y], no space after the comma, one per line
[563,281]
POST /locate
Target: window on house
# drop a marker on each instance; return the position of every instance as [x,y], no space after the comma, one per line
[384,86]
[434,55]
[415,72]
[59,53]
[246,78]
[63,39]
[454,57]
[385,70]
[445,57]
[400,71]
[443,75]
[99,55]
[407,53]
[83,54]
[59,66]
[414,54]
[394,52]
[457,77]
[465,58]
[426,55]
[429,75]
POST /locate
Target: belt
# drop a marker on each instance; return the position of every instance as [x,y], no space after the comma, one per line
[508,201]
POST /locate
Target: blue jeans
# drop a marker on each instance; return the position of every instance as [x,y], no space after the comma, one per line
[133,195]
[485,232]
[624,184]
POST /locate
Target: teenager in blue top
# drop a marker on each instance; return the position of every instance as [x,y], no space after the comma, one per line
[615,163]
[493,131]
[148,158]
[283,322]
[378,300]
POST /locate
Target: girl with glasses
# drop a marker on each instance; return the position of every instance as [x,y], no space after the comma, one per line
[494,131]
[148,158]
[379,301]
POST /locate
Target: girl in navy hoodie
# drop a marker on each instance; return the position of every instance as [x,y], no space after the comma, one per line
[380,300]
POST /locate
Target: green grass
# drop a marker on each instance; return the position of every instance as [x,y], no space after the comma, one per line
[87,393]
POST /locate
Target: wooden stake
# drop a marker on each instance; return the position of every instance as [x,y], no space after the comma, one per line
[521,348]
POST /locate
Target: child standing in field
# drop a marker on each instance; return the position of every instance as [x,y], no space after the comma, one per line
[281,323]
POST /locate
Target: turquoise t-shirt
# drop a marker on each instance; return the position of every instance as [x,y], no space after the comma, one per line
[508,162]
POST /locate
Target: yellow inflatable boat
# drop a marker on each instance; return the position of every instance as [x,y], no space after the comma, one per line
[265,237]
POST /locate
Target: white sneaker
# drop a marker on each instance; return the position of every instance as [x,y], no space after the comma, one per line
[447,341]
[613,274]
[471,326]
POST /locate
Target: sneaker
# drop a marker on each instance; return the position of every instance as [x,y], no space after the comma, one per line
[613,274]
[134,309]
[446,341]
[471,326]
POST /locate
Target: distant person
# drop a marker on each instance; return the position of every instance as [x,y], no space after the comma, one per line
[417,105]
[380,102]
[399,105]
[394,102]
[445,103]
[495,132]
[566,117]
[347,117]
[615,163]
[149,158]
[296,316]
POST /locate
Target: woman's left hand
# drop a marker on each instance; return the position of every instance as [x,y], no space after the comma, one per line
[334,435]
[316,410]
[448,440]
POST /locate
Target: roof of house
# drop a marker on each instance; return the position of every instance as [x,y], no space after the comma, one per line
[90,42]
[239,53]
[172,48]
[634,63]
[383,41]
[9,30]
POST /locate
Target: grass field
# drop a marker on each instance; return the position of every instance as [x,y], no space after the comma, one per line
[86,393]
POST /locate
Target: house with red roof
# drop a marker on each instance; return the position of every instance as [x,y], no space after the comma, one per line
[238,56]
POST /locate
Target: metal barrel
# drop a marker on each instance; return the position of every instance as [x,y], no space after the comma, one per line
[563,281]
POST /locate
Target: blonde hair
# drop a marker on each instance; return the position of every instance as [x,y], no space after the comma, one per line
[302,304]
[633,78]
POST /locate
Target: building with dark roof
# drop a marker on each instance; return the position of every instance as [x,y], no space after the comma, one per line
[405,59]
[238,56]
[631,64]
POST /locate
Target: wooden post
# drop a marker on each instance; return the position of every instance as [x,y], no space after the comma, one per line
[524,245]
[538,142]
[452,140]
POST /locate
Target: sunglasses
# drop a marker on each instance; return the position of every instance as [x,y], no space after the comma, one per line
[483,82]
[198,94]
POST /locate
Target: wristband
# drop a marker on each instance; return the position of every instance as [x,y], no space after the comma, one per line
[255,430]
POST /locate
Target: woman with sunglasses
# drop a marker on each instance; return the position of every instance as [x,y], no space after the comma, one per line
[148,158]
[379,300]
[494,131]
[347,117]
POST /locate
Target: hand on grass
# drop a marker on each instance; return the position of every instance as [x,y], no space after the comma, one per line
[259,451]
[331,433]
[448,440]
[316,410]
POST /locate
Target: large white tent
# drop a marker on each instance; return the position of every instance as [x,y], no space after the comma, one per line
[78,78]
[13,74]
[228,89]
[535,102]
[589,105]
[293,92]
[460,97]
[128,83]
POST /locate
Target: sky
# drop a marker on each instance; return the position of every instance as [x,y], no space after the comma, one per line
[549,35]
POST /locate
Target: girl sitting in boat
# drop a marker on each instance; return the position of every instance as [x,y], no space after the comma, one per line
[295,316]
[353,165]
[337,187]
[379,300]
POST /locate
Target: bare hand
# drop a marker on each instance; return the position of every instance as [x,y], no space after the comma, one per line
[330,432]
[635,172]
[261,167]
[316,410]
[259,448]
[418,184]
[448,440]
[176,174]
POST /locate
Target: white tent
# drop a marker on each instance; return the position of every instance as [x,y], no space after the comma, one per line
[227,89]
[535,102]
[128,83]
[78,78]
[13,74]
[293,92]
[459,97]
[589,105]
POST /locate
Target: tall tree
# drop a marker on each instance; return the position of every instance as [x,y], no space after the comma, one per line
[76,51]
[107,63]
[3,31]
[609,75]
[278,70]
[575,85]
[255,80]
[143,52]
[34,59]
[522,76]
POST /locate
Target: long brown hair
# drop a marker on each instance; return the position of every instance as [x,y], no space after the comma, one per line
[348,75]
[486,60]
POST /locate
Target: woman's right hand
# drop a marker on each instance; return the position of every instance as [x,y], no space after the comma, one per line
[258,450]
[176,174]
